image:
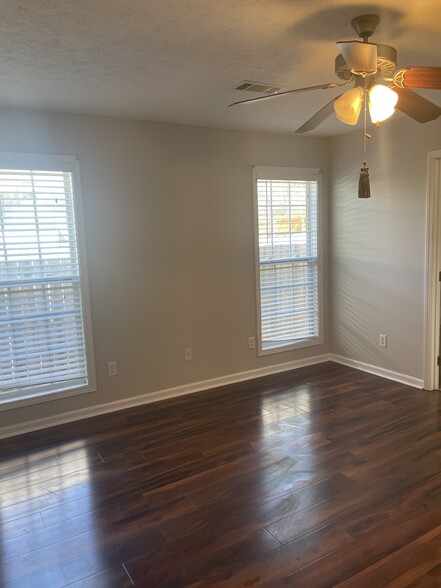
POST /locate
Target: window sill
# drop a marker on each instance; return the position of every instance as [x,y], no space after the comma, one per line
[29,399]
[289,346]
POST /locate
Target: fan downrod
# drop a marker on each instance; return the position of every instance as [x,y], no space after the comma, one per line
[365,25]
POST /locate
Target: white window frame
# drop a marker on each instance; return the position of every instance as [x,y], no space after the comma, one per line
[27,161]
[295,174]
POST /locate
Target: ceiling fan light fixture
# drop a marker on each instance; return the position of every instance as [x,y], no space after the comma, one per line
[382,101]
[348,106]
[367,64]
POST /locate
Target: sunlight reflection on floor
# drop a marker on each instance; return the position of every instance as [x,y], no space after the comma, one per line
[32,487]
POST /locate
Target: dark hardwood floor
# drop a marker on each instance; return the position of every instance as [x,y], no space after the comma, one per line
[325,476]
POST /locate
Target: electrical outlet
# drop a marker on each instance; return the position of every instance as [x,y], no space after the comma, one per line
[251,343]
[188,354]
[112,368]
[383,341]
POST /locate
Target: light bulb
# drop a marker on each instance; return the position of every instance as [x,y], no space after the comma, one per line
[348,106]
[382,102]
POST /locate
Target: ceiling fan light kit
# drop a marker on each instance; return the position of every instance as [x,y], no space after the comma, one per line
[381,99]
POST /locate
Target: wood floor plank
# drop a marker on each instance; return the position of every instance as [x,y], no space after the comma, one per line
[28,506]
[17,468]
[265,467]
[185,566]
[75,527]
[241,512]
[64,575]
[275,480]
[424,581]
[368,549]
[31,478]
[359,511]
[271,566]
[21,526]
[120,541]
[402,567]
[88,504]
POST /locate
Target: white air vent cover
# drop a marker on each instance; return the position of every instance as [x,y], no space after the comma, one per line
[258,87]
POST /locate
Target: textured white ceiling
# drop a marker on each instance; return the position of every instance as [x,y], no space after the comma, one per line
[180,60]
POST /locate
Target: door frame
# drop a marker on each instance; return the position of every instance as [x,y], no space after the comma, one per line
[432,311]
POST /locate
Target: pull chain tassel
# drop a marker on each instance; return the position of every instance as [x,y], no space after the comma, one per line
[364,187]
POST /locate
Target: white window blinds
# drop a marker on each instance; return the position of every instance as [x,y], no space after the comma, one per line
[42,334]
[287,219]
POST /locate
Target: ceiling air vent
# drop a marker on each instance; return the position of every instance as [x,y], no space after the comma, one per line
[258,87]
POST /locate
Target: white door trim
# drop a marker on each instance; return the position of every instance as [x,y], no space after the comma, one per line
[432,318]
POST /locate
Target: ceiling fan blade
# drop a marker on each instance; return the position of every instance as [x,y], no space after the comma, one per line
[318,117]
[360,57]
[268,96]
[418,77]
[415,106]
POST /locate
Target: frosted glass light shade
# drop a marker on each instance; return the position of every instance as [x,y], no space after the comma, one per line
[348,106]
[382,102]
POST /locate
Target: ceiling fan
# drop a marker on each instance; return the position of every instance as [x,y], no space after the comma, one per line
[376,81]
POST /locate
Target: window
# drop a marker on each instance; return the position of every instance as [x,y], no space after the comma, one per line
[45,334]
[287,259]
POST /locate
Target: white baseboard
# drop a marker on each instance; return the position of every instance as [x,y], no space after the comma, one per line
[84,413]
[378,371]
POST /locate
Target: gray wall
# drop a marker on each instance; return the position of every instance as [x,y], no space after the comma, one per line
[378,245]
[169,236]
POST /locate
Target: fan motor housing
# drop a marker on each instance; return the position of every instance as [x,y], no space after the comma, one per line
[386,63]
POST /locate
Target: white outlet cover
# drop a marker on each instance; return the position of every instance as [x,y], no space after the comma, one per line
[112,368]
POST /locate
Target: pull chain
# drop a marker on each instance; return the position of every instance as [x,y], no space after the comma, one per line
[364,188]
[365,134]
